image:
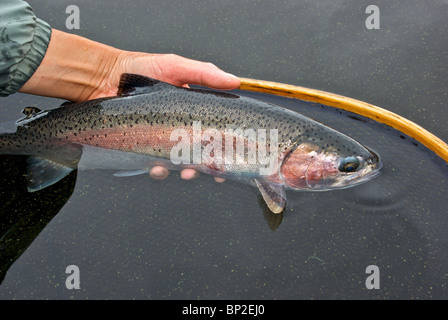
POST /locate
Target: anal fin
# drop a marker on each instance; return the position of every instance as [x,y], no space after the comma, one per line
[43,173]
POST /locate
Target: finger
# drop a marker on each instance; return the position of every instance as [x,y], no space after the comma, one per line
[219,180]
[187,71]
[158,173]
[188,174]
[211,76]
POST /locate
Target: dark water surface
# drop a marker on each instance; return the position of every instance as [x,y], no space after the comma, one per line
[139,238]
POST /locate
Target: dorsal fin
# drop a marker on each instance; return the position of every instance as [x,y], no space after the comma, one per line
[131,84]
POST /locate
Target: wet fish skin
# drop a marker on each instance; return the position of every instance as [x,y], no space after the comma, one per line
[134,130]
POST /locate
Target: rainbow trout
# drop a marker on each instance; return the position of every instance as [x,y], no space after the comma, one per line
[151,123]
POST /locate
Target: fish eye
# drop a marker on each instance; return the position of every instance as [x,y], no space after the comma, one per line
[349,164]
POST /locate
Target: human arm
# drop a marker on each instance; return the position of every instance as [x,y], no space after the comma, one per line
[40,60]
[79,69]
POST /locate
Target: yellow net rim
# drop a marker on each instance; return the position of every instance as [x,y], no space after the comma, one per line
[362,108]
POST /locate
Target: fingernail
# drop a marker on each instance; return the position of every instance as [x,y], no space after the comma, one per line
[231,75]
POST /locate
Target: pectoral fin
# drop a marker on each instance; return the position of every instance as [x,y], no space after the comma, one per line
[274,195]
[43,173]
[130,173]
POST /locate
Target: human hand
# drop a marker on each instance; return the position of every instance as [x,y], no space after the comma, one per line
[169,68]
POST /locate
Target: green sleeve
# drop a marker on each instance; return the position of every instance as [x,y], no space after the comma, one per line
[23,42]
